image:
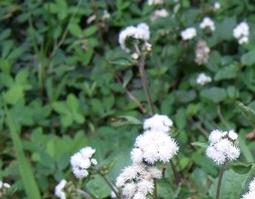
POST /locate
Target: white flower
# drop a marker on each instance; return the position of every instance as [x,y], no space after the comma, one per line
[159,14]
[113,195]
[4,185]
[217,6]
[155,146]
[106,15]
[251,192]
[158,123]
[140,32]
[232,135]
[155,2]
[216,135]
[139,196]
[129,189]
[249,195]
[241,32]
[222,147]
[252,185]
[207,23]
[81,162]
[145,186]
[188,33]
[203,79]
[202,52]
[59,189]
[136,181]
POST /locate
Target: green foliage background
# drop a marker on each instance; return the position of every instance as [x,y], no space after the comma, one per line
[65,84]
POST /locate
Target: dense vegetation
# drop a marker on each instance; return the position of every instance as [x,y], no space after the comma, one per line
[66,84]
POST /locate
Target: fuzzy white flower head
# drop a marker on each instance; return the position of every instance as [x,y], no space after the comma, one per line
[159,14]
[137,181]
[140,32]
[216,6]
[241,32]
[158,123]
[207,23]
[203,79]
[154,146]
[81,162]
[155,2]
[251,192]
[222,147]
[59,192]
[188,33]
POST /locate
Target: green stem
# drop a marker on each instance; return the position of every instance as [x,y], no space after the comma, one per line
[176,175]
[141,64]
[222,169]
[111,186]
[155,192]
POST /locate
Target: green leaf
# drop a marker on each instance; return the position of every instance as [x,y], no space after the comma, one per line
[247,111]
[98,187]
[241,168]
[214,94]
[25,168]
[248,59]
[228,72]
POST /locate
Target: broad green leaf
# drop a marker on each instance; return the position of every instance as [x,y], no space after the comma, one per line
[248,59]
[228,72]
[214,94]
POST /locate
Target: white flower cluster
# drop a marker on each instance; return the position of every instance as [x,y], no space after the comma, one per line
[251,193]
[207,23]
[216,6]
[82,161]
[136,181]
[59,189]
[155,2]
[151,147]
[159,14]
[202,52]
[222,146]
[4,185]
[188,33]
[141,32]
[203,79]
[241,32]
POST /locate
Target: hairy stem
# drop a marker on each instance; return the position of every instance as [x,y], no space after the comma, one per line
[111,186]
[222,169]
[146,90]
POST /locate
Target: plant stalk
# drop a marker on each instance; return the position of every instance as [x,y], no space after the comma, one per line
[141,64]
[155,192]
[222,169]
[111,186]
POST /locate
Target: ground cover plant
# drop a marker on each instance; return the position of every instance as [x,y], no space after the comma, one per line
[127,99]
